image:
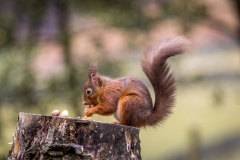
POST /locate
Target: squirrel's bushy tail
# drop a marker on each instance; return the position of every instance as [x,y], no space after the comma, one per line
[156,69]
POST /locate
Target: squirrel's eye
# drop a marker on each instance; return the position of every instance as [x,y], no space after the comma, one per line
[89,91]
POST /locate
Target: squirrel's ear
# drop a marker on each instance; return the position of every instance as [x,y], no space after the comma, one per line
[96,80]
[92,70]
[93,75]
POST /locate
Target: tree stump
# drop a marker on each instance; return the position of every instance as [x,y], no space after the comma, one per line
[52,137]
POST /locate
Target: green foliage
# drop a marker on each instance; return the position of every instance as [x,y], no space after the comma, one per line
[19,85]
[187,11]
[15,86]
[124,14]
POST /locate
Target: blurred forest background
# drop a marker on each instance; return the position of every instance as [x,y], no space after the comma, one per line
[46,47]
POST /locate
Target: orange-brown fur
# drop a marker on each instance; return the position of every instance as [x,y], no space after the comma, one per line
[127,97]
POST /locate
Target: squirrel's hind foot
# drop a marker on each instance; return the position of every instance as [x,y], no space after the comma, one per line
[116,122]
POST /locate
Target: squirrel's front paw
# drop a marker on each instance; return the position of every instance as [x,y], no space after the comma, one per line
[88,112]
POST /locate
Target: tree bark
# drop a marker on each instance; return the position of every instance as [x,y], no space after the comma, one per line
[51,137]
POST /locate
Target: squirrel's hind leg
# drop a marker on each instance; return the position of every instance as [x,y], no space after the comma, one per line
[132,111]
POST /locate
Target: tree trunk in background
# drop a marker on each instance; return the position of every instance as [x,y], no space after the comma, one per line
[237,5]
[65,40]
[47,137]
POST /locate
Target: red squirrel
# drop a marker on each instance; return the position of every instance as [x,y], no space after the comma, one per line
[127,98]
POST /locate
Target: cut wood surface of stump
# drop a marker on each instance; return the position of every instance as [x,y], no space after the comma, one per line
[52,137]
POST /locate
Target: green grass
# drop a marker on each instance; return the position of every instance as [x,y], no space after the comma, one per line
[195,109]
